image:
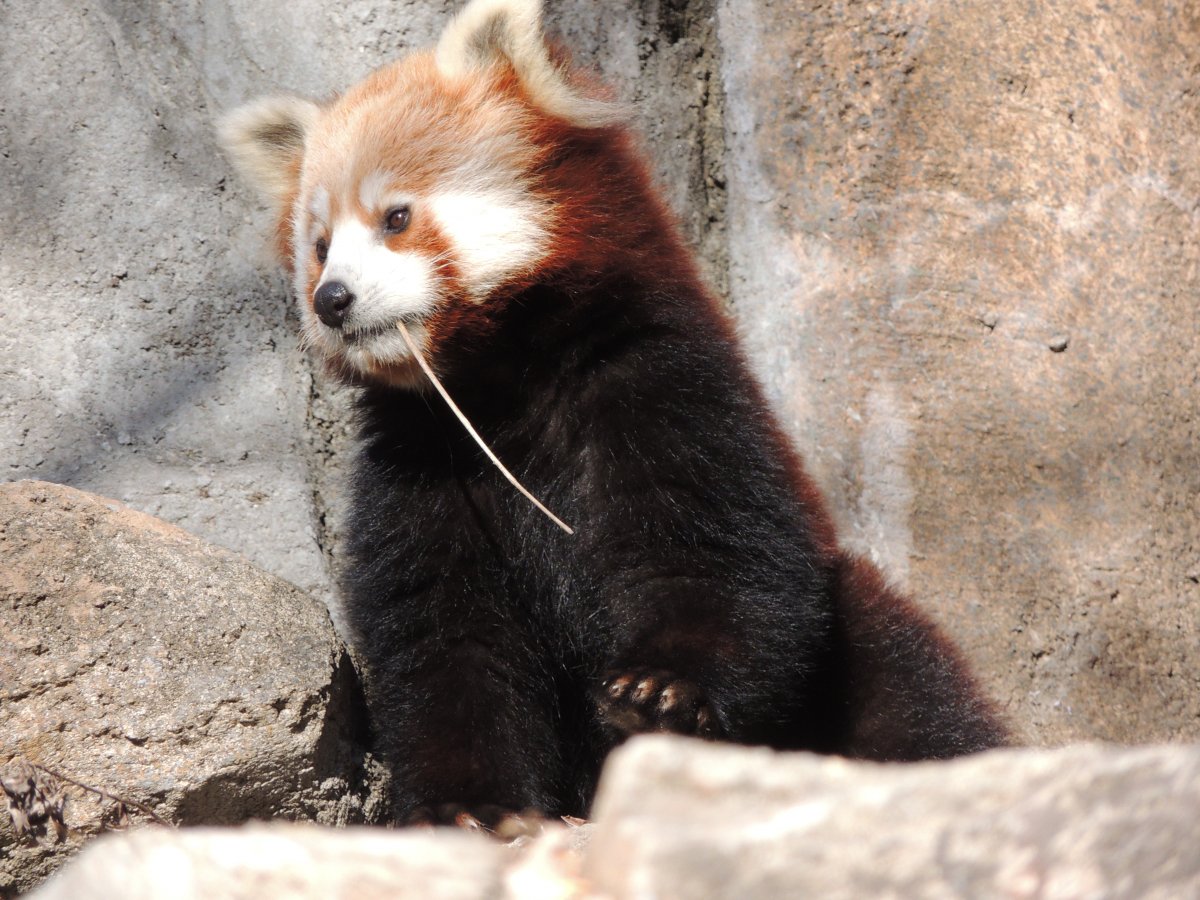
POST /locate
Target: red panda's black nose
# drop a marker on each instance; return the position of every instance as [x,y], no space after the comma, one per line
[331,302]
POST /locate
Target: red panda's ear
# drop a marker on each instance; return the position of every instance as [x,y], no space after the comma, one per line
[265,141]
[488,31]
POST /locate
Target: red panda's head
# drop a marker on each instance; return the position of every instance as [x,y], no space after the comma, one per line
[415,196]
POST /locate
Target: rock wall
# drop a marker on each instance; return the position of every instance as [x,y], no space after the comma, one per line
[964,251]
[960,238]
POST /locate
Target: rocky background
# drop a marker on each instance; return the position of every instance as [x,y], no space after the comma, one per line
[959,236]
[963,246]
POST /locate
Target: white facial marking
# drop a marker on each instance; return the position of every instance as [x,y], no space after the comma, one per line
[318,208]
[497,233]
[382,348]
[387,286]
[350,245]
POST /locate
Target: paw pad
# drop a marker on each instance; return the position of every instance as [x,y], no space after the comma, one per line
[655,700]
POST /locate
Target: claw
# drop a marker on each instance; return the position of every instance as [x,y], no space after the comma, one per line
[650,700]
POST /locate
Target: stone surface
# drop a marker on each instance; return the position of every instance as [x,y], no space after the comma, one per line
[305,861]
[964,251]
[143,355]
[293,861]
[140,660]
[705,821]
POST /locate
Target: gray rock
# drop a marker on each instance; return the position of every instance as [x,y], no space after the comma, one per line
[306,862]
[138,659]
[687,820]
[276,861]
[143,355]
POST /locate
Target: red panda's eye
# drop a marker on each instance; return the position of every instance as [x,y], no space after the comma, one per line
[397,219]
[322,250]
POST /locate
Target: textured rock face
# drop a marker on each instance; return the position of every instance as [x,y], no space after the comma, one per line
[960,238]
[710,821]
[688,820]
[964,250]
[147,359]
[138,659]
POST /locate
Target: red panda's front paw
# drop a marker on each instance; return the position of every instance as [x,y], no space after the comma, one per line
[639,700]
[498,820]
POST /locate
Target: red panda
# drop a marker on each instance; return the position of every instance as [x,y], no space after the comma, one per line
[487,198]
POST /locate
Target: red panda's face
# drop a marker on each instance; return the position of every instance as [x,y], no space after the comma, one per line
[416,204]
[414,198]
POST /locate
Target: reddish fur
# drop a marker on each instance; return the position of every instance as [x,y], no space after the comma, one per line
[284,229]
[898,666]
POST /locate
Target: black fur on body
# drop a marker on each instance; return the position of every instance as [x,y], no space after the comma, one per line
[702,593]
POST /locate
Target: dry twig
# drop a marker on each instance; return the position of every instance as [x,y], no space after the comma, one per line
[122,805]
[412,346]
[36,799]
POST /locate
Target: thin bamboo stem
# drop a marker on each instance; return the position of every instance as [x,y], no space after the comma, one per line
[412,346]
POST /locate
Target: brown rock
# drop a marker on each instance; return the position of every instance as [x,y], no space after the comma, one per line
[140,660]
[929,202]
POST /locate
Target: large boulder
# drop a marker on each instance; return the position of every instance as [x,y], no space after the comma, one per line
[704,821]
[140,660]
[299,862]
